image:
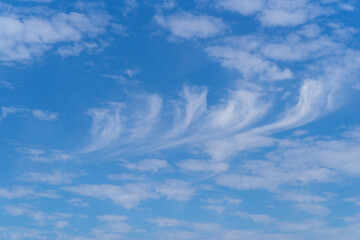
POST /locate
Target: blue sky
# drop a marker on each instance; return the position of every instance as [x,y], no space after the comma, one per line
[179,120]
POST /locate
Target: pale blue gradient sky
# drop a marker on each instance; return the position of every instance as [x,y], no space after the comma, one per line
[179,120]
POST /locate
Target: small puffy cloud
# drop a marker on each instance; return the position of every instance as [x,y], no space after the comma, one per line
[147,165]
[188,26]
[176,190]
[44,115]
[25,36]
[61,224]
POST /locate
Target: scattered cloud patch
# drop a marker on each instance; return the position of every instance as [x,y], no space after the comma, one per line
[54,178]
[189,27]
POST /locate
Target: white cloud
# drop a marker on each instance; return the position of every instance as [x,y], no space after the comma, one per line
[110,123]
[77,49]
[244,7]
[16,192]
[7,84]
[129,6]
[355,200]
[168,4]
[302,197]
[223,148]
[233,124]
[61,224]
[219,205]
[20,233]
[106,125]
[188,26]
[128,195]
[176,190]
[42,115]
[28,211]
[24,37]
[306,202]
[217,208]
[202,165]
[146,116]
[115,223]
[317,159]
[189,111]
[147,165]
[297,49]
[313,100]
[122,80]
[78,202]
[240,55]
[346,7]
[277,12]
[125,177]
[257,218]
[314,209]
[54,178]
[241,108]
[338,155]
[166,222]
[46,156]
[266,175]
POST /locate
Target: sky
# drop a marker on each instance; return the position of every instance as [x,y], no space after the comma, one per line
[179,120]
